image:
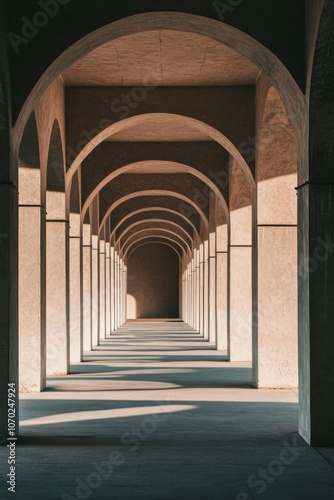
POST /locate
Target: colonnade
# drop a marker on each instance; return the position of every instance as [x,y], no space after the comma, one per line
[224,198]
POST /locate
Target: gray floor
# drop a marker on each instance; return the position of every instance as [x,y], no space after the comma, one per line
[156,413]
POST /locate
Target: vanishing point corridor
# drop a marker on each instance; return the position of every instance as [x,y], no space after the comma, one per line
[166,250]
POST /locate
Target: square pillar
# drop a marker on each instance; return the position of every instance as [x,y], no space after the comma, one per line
[201,297]
[57,297]
[86,285]
[212,299]
[108,276]
[76,347]
[112,289]
[206,300]
[275,349]
[95,290]
[221,301]
[240,303]
[102,291]
[8,299]
[316,313]
[124,292]
[32,306]
[184,297]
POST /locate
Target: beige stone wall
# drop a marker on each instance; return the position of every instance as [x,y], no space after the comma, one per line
[153,283]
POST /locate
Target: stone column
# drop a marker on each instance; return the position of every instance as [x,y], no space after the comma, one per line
[316,312]
[102,290]
[124,292]
[212,297]
[186,277]
[201,289]
[112,288]
[221,283]
[316,252]
[9,261]
[274,281]
[32,280]
[221,300]
[117,291]
[206,290]
[240,302]
[193,292]
[87,288]
[275,347]
[212,268]
[212,289]
[108,293]
[95,290]
[76,348]
[240,266]
[184,297]
[197,291]
[57,296]
[9,295]
[189,293]
[181,290]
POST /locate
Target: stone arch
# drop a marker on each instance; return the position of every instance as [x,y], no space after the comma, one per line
[30,175]
[167,166]
[141,120]
[161,237]
[157,193]
[55,180]
[142,204]
[55,176]
[232,37]
[149,220]
[29,155]
[75,195]
[153,209]
[155,241]
[156,231]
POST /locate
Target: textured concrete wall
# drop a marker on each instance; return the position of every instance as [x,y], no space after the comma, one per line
[153,283]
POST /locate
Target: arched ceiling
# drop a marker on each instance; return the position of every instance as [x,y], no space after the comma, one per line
[141,205]
[146,240]
[182,104]
[162,215]
[157,57]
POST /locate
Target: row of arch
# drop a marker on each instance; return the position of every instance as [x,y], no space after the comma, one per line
[211,217]
[47,204]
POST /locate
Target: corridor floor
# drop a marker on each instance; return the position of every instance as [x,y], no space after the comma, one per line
[155,412]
